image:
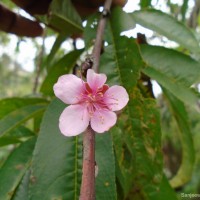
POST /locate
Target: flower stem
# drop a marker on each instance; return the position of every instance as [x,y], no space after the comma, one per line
[88,170]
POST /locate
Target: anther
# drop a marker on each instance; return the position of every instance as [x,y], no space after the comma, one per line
[101,94]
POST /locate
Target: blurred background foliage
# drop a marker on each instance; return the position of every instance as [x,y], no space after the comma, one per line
[55,54]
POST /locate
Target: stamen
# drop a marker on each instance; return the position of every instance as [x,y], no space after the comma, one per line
[100,94]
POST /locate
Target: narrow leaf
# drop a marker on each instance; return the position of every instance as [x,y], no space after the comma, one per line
[184,8]
[182,92]
[165,192]
[118,18]
[6,140]
[175,65]
[145,3]
[16,136]
[21,192]
[59,40]
[121,21]
[21,132]
[105,180]
[63,17]
[19,116]
[188,154]
[137,142]
[56,168]
[89,33]
[167,26]
[10,104]
[121,62]
[139,158]
[14,168]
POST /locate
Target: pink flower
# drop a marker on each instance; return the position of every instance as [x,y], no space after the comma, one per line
[91,102]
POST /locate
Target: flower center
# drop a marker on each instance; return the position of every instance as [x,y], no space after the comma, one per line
[94,102]
[94,99]
[91,97]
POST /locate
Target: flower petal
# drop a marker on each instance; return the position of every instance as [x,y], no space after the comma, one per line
[95,80]
[68,88]
[116,97]
[74,120]
[103,120]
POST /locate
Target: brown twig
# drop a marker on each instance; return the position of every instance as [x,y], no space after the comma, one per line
[193,19]
[88,176]
[99,37]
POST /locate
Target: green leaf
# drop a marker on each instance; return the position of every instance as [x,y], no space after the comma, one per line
[105,180]
[188,154]
[16,136]
[21,132]
[63,66]
[167,26]
[56,168]
[173,64]
[6,140]
[138,147]
[17,117]
[184,93]
[121,62]
[146,138]
[121,21]
[21,192]
[165,191]
[124,162]
[63,17]
[137,142]
[145,3]
[10,104]
[59,40]
[118,17]
[89,33]
[14,168]
[173,70]
[184,8]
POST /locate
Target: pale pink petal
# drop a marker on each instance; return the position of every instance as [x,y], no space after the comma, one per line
[74,120]
[103,120]
[116,97]
[68,88]
[95,80]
